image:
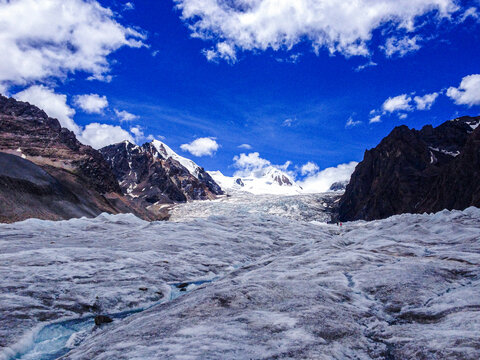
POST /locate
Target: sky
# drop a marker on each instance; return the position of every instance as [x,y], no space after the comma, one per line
[307,85]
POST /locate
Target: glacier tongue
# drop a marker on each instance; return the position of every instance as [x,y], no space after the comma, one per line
[405,287]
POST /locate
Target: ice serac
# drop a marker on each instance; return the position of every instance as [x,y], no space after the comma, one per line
[72,168]
[269,180]
[416,171]
[154,174]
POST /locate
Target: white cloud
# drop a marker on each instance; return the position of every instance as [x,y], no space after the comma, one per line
[139,135]
[129,6]
[99,135]
[252,165]
[352,123]
[375,119]
[201,146]
[470,12]
[288,122]
[55,105]
[92,103]
[365,66]
[223,51]
[249,164]
[41,39]
[425,102]
[95,134]
[343,27]
[401,47]
[245,146]
[4,89]
[124,115]
[321,181]
[397,103]
[309,168]
[292,59]
[468,93]
[402,116]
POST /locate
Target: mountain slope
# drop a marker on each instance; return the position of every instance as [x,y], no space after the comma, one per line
[154,174]
[77,171]
[414,171]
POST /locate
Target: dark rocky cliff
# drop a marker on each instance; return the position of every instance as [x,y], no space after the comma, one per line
[413,171]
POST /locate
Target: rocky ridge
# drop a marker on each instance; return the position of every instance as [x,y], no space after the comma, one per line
[416,171]
[153,174]
[75,179]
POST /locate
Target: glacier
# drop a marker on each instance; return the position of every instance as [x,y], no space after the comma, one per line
[265,277]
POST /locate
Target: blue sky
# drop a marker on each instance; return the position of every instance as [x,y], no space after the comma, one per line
[290,104]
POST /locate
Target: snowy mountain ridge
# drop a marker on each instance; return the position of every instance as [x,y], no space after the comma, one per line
[269,180]
[154,174]
[168,153]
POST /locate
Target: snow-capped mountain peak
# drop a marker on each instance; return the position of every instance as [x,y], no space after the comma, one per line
[165,151]
[278,177]
[268,180]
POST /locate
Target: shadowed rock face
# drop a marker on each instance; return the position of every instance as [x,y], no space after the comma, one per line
[414,171]
[79,182]
[148,174]
[27,130]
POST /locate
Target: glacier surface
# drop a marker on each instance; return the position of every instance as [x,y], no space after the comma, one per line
[267,278]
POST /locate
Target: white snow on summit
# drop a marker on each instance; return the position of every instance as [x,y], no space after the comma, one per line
[268,180]
[167,152]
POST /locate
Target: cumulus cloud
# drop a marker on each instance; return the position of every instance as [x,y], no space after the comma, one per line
[251,164]
[245,146]
[401,47]
[55,105]
[92,103]
[99,135]
[322,180]
[375,119]
[94,134]
[352,123]
[223,51]
[139,135]
[468,93]
[397,103]
[346,28]
[201,146]
[41,39]
[124,115]
[425,102]
[309,168]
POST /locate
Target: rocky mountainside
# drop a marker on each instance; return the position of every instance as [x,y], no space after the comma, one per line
[154,174]
[57,166]
[416,171]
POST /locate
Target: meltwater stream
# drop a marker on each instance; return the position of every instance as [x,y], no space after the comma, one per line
[57,339]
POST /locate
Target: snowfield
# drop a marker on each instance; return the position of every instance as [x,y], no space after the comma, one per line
[277,284]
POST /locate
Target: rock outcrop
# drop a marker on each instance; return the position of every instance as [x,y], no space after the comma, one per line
[154,174]
[413,171]
[61,179]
